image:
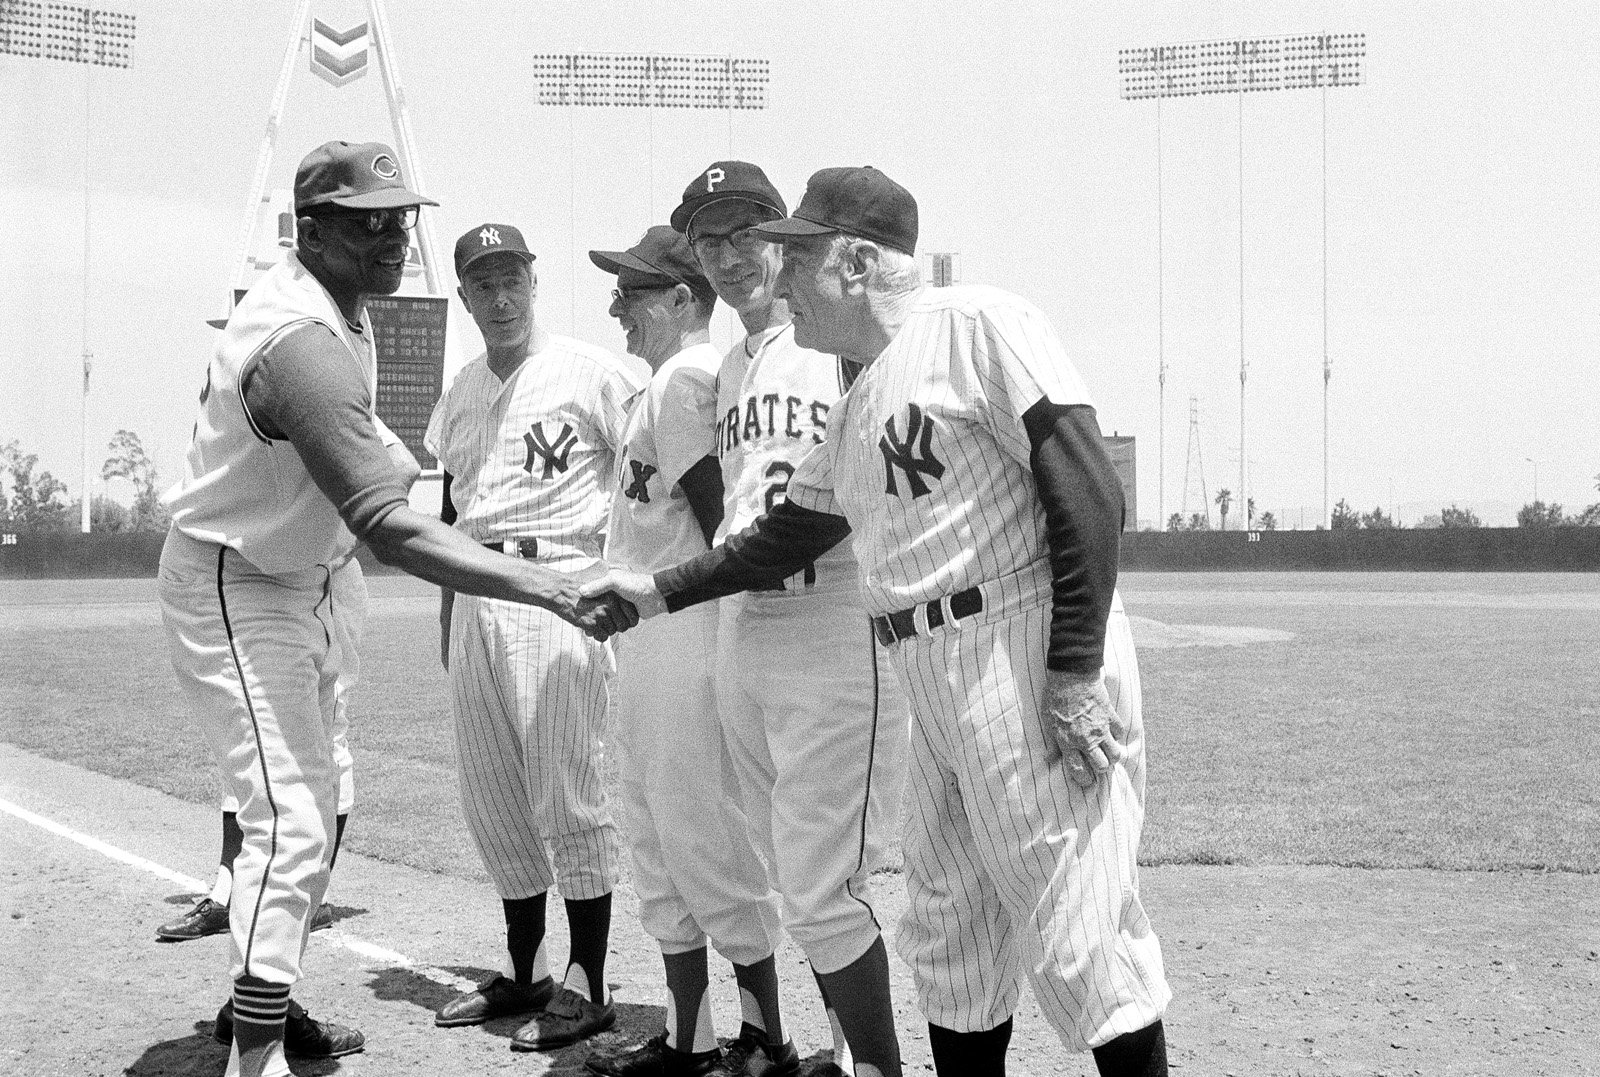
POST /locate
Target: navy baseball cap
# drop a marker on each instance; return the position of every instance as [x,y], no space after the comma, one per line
[361,175]
[663,257]
[487,239]
[861,201]
[722,181]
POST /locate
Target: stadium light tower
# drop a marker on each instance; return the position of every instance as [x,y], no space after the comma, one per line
[1246,65]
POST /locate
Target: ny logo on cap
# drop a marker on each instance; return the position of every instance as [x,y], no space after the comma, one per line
[714,176]
[490,236]
[383,167]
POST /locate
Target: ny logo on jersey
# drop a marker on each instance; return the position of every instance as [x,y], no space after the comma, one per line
[912,455]
[637,490]
[554,454]
[490,236]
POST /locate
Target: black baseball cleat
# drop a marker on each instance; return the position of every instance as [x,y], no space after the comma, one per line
[322,918]
[568,1018]
[655,1059]
[750,1055]
[500,997]
[303,1034]
[207,917]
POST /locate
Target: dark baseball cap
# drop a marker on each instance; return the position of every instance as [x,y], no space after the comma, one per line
[487,239]
[360,175]
[861,201]
[662,257]
[722,181]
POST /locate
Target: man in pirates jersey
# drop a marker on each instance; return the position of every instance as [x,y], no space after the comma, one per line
[696,871]
[528,434]
[966,465]
[815,732]
[285,474]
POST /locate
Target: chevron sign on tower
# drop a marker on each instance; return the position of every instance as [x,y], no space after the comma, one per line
[338,56]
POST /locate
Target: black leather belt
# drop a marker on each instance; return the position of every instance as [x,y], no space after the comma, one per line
[524,547]
[902,624]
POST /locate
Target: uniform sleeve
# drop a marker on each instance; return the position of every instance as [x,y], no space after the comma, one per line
[433,440]
[685,421]
[1019,361]
[386,436]
[618,387]
[306,389]
[777,545]
[811,485]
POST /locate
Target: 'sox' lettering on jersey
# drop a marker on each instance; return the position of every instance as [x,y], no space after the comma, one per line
[638,490]
[554,453]
[914,455]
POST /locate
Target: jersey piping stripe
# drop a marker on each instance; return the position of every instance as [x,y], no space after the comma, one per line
[866,792]
[244,376]
[261,757]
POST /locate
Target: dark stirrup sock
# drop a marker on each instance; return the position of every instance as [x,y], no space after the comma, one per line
[232,838]
[970,1054]
[258,1012]
[1134,1054]
[524,934]
[859,995]
[759,981]
[687,981]
[590,922]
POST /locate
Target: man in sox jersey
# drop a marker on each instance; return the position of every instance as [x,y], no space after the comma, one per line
[209,915]
[285,475]
[967,461]
[696,871]
[527,435]
[816,731]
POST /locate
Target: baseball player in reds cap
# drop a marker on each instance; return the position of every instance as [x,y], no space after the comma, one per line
[966,465]
[528,435]
[285,474]
[696,870]
[816,731]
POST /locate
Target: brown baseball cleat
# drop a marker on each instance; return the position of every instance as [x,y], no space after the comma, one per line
[750,1055]
[500,997]
[567,1019]
[303,1034]
[205,918]
[322,918]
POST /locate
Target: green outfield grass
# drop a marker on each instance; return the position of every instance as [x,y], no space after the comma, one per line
[1413,720]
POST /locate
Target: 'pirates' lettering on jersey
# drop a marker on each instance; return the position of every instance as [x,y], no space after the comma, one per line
[772,415]
[553,453]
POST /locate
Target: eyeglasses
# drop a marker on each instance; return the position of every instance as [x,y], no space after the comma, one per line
[377,221]
[626,295]
[745,241]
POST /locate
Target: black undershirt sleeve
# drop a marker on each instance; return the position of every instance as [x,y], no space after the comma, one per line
[447,508]
[702,486]
[779,544]
[304,389]
[1083,511]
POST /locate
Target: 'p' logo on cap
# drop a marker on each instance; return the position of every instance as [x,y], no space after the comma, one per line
[714,176]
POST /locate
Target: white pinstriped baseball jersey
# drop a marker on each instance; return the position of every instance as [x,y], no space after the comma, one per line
[773,398]
[670,429]
[534,456]
[923,453]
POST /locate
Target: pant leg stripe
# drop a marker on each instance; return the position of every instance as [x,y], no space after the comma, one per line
[261,756]
[872,753]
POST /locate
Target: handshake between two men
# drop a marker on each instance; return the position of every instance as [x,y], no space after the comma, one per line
[604,605]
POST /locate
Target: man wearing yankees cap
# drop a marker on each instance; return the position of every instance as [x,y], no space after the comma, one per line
[696,870]
[966,466]
[528,436]
[285,474]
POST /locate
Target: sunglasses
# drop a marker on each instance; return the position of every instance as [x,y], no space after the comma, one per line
[377,221]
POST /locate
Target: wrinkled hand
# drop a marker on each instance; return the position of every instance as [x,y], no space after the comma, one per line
[601,617]
[1087,729]
[636,589]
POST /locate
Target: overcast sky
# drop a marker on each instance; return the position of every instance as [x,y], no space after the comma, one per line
[1462,225]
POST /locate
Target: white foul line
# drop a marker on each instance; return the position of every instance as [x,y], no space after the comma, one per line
[338,937]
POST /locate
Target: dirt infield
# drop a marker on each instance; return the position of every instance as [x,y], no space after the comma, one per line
[1281,964]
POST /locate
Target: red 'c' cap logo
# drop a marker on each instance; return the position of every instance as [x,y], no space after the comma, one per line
[383,167]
